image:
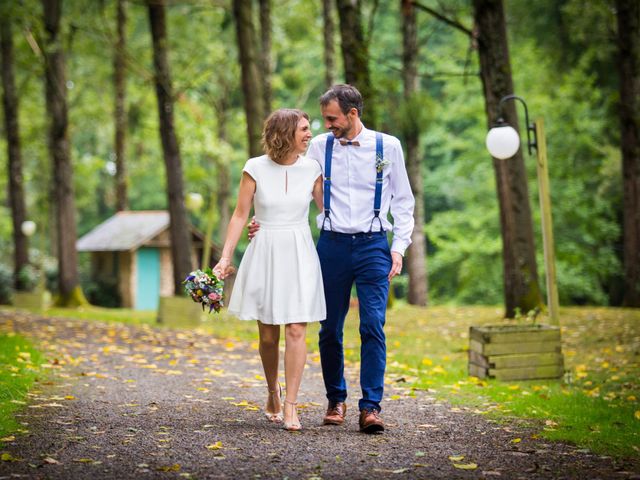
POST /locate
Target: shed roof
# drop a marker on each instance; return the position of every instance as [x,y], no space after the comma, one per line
[126,230]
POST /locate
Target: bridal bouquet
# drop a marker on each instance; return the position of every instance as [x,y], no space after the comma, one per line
[205,288]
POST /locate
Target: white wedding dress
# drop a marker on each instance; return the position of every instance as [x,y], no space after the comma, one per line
[279,280]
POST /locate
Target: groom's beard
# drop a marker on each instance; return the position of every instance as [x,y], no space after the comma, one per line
[346,131]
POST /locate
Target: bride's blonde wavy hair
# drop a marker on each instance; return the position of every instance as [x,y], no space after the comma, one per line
[279,132]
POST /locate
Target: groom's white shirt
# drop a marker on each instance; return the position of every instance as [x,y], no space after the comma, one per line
[353,179]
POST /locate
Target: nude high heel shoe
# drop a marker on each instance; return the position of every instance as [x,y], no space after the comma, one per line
[291,426]
[274,417]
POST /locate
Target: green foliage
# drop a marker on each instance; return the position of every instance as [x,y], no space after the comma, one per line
[6,284]
[102,292]
[562,57]
[29,277]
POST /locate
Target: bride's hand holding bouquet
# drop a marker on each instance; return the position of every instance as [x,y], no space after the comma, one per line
[223,268]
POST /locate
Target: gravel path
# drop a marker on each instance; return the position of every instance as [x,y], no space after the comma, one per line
[136,402]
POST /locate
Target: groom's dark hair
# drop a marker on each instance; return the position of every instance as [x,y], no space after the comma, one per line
[348,97]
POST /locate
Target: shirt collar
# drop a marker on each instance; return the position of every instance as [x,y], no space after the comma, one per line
[363,135]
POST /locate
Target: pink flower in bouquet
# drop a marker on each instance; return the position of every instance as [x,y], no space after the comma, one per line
[214,297]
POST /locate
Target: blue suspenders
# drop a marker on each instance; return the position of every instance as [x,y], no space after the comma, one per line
[328,154]
[377,199]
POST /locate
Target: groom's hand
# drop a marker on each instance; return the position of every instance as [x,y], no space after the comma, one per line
[396,265]
[253,228]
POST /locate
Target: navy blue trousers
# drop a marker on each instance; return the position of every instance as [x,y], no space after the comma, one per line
[365,259]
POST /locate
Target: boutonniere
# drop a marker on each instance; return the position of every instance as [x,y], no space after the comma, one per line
[381,163]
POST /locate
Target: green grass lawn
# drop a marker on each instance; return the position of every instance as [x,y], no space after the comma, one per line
[19,367]
[594,406]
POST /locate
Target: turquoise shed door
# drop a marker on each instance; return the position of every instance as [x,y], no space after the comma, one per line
[148,286]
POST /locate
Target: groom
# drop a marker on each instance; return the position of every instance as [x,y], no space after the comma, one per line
[365,179]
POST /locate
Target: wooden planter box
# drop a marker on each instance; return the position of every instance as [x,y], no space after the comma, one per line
[180,312]
[515,352]
[32,300]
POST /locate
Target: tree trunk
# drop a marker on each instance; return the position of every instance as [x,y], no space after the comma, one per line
[59,148]
[16,192]
[521,287]
[355,54]
[250,73]
[628,15]
[119,72]
[416,253]
[265,37]
[179,224]
[224,171]
[329,51]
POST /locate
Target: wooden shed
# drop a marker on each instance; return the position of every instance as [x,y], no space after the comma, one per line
[133,248]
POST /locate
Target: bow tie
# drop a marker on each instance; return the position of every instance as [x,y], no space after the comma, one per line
[349,142]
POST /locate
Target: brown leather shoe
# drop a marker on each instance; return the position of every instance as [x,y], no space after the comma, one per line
[370,421]
[335,413]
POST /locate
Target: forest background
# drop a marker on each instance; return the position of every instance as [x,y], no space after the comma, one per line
[563,56]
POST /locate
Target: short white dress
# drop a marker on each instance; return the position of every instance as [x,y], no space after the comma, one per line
[279,280]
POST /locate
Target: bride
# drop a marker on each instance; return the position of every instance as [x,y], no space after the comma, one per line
[279,280]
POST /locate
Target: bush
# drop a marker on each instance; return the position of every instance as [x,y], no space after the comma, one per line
[28,278]
[51,278]
[400,286]
[6,284]
[103,293]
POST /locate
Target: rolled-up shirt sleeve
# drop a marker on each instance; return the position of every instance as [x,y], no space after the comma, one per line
[402,202]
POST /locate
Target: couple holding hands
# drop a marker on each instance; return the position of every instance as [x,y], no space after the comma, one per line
[356,176]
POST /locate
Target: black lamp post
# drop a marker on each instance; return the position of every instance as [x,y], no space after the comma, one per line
[503,142]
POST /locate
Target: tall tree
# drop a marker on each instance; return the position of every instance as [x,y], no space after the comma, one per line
[120,117]
[16,192]
[179,224]
[265,51]
[250,72]
[59,149]
[329,51]
[521,287]
[628,15]
[416,254]
[355,54]
[223,168]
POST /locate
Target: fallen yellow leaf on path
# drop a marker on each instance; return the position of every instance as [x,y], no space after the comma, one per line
[466,466]
[215,446]
[456,458]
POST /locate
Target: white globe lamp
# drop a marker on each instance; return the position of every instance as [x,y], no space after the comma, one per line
[28,228]
[503,141]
